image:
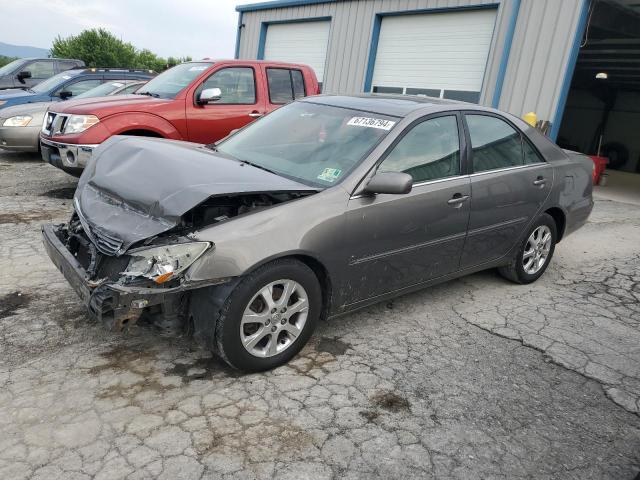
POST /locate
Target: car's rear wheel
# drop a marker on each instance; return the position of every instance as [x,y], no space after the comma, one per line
[269,316]
[535,252]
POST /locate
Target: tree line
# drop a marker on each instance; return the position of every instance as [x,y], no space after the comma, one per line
[99,48]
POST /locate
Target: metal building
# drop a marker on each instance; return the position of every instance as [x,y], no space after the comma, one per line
[575,63]
[512,54]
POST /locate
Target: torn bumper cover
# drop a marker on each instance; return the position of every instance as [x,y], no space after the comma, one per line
[112,303]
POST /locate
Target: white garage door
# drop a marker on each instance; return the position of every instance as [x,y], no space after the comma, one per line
[303,42]
[437,54]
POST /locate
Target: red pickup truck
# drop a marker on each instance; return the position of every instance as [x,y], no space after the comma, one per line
[196,101]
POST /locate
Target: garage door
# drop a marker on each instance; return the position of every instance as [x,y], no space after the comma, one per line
[436,54]
[303,42]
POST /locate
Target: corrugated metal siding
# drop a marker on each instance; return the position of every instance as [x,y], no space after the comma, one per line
[350,36]
[539,56]
[537,61]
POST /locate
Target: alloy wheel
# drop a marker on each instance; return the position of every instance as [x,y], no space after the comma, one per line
[536,250]
[274,318]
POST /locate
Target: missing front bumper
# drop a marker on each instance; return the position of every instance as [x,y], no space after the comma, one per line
[113,304]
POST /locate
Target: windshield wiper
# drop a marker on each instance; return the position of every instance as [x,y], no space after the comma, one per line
[259,166]
[148,94]
[211,146]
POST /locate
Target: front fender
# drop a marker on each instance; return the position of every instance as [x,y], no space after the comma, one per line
[126,121]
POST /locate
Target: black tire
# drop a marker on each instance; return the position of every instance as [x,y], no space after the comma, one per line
[515,271]
[228,343]
[617,154]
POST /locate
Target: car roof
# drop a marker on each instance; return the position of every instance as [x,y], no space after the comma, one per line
[393,105]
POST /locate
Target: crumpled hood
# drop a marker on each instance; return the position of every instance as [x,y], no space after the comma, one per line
[134,187]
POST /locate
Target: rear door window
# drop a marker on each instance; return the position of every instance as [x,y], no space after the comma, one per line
[285,85]
[495,143]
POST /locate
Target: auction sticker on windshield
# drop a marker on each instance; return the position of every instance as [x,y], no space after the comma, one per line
[371,123]
[330,174]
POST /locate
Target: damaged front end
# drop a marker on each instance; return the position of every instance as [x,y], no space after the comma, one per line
[119,290]
[138,208]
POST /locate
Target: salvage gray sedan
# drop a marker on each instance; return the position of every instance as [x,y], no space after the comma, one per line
[324,206]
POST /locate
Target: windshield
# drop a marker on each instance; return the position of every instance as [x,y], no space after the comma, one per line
[168,84]
[314,144]
[10,67]
[55,81]
[101,90]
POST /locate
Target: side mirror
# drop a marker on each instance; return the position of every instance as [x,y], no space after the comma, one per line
[24,75]
[395,183]
[209,95]
[64,94]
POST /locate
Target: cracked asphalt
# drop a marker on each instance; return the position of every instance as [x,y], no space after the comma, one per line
[475,378]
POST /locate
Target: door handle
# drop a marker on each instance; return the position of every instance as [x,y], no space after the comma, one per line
[457,200]
[255,114]
[540,181]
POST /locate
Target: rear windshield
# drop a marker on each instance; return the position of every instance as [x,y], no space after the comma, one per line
[317,145]
[169,83]
[55,81]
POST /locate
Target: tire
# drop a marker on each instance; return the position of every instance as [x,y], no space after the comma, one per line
[248,300]
[516,270]
[617,154]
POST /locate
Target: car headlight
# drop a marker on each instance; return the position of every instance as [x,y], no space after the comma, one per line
[161,264]
[80,123]
[17,121]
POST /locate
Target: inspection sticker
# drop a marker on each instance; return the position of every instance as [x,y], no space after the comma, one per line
[371,123]
[198,68]
[330,175]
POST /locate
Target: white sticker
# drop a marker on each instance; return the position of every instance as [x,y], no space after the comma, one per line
[197,69]
[371,123]
[116,84]
[66,77]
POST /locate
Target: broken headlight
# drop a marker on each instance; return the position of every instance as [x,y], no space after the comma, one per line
[164,263]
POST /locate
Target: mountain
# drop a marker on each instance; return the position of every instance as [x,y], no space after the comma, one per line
[9,50]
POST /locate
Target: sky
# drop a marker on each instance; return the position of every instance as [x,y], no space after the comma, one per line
[198,28]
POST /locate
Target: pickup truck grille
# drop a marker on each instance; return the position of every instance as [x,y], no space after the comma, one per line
[54,123]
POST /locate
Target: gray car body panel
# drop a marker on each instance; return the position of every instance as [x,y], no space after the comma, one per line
[371,247]
[23,139]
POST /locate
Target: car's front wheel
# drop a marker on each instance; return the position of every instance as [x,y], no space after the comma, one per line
[269,316]
[535,252]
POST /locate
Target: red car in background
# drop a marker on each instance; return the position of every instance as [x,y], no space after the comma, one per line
[199,101]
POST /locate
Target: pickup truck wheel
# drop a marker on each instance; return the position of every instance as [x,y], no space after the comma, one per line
[269,316]
[535,252]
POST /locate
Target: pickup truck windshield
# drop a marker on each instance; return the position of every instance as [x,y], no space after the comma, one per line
[55,81]
[169,83]
[10,67]
[314,144]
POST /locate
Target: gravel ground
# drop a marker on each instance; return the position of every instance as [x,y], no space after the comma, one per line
[425,387]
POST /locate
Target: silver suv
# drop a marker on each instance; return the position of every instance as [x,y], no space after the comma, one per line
[27,72]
